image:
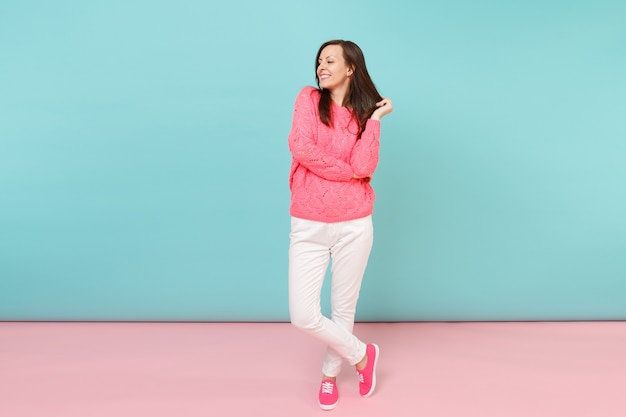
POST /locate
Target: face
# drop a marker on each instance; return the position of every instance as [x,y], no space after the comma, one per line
[332,70]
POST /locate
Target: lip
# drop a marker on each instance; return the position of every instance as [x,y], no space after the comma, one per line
[323,76]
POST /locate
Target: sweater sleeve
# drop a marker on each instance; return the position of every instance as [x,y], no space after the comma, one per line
[364,157]
[303,145]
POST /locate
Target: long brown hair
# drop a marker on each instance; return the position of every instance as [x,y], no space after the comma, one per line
[362,94]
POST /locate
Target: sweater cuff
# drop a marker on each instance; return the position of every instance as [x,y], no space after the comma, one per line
[372,124]
[372,127]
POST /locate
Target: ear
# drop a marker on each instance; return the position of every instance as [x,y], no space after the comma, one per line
[350,71]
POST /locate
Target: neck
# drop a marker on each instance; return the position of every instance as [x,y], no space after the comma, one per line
[338,95]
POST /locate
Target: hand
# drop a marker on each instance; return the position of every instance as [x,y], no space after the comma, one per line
[384,108]
[365,179]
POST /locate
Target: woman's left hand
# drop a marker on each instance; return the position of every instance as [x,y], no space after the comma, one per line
[384,108]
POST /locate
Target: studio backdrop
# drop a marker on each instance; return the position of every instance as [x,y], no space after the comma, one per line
[144,162]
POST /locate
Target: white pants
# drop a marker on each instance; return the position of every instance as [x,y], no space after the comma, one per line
[313,245]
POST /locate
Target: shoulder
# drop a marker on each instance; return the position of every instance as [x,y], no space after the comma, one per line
[308,94]
[310,90]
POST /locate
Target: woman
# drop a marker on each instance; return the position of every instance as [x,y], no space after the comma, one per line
[334,143]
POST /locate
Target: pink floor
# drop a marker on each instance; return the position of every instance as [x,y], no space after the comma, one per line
[251,369]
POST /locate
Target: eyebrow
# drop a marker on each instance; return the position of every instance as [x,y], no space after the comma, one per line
[329,56]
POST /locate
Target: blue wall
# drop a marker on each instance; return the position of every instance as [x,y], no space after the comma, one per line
[144,163]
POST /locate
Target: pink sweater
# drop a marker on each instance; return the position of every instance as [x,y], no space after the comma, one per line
[324,160]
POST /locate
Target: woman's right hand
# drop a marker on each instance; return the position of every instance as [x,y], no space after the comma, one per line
[365,179]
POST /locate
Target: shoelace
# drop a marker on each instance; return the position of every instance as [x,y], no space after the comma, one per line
[361,378]
[327,387]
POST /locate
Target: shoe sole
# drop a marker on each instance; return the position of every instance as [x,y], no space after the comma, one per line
[371,391]
[328,407]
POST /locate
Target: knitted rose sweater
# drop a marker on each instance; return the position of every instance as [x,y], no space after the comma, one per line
[324,160]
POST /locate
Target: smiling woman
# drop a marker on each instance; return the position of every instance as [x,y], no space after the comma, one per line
[334,143]
[343,78]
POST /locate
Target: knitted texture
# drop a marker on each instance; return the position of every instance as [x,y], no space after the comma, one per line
[324,160]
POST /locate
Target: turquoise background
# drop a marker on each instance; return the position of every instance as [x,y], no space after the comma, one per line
[144,160]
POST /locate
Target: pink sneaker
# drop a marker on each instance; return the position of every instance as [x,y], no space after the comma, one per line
[329,396]
[367,377]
